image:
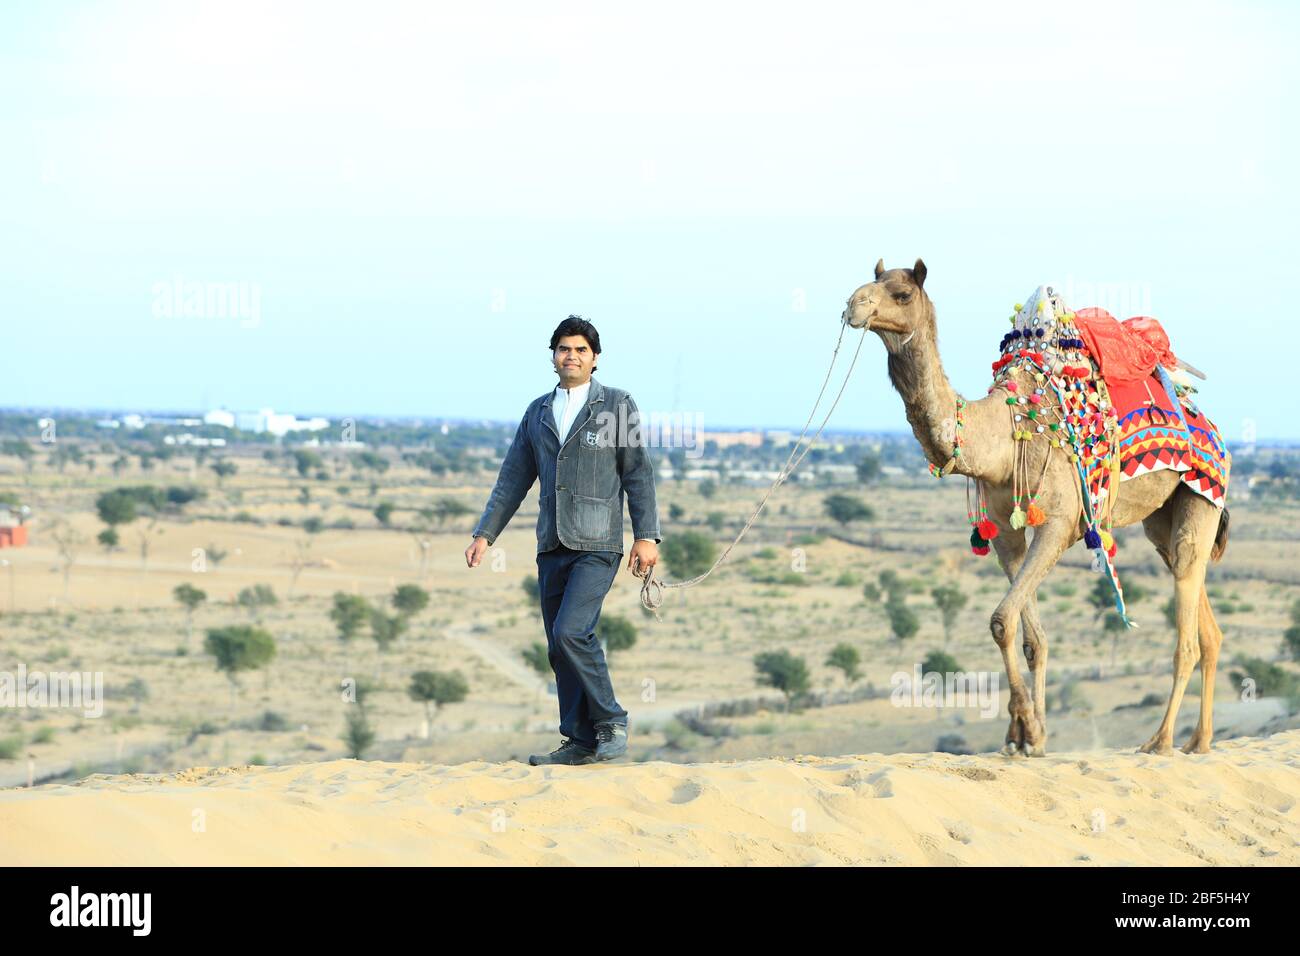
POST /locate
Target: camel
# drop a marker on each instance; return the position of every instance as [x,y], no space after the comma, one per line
[1187,530]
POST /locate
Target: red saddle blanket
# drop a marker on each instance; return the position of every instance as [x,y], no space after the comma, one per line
[1125,351]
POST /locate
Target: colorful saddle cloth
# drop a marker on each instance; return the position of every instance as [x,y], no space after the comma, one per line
[1121,415]
[1157,428]
[1153,436]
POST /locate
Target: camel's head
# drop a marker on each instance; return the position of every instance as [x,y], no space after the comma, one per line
[895,305]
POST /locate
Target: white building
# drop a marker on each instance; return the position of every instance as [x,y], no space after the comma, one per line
[266,420]
[219,416]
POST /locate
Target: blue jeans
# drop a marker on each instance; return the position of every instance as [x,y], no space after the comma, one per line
[573,585]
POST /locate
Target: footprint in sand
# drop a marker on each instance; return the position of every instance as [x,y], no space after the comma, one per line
[686,791]
[869,783]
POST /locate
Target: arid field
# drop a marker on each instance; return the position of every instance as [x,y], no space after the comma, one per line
[796,582]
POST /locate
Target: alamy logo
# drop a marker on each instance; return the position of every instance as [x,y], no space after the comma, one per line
[102,909]
[53,689]
[950,689]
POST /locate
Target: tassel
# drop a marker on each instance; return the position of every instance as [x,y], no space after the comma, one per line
[1091,540]
[1109,543]
[987,530]
[977,544]
[1017,519]
[1034,515]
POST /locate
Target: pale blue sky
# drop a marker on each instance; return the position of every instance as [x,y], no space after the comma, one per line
[421,193]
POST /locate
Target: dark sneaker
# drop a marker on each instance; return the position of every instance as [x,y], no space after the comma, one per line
[570,752]
[611,741]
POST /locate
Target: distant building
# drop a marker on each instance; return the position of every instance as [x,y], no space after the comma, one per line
[13,531]
[221,417]
[727,439]
[267,420]
[186,438]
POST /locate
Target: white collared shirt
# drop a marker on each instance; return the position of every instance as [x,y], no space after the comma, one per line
[566,405]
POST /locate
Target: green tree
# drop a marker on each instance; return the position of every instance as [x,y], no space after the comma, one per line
[784,671]
[846,508]
[349,613]
[868,468]
[435,689]
[537,657]
[116,507]
[239,648]
[1270,680]
[449,508]
[1292,634]
[615,632]
[939,662]
[223,469]
[255,597]
[108,540]
[903,621]
[1102,596]
[384,513]
[306,461]
[846,658]
[410,599]
[189,597]
[385,629]
[949,599]
[372,461]
[689,554]
[359,736]
[531,588]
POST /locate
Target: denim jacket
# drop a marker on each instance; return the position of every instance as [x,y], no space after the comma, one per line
[583,479]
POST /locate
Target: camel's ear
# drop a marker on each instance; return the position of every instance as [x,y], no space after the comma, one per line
[918,273]
[880,268]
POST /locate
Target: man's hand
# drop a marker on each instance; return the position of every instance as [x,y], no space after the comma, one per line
[474,553]
[644,556]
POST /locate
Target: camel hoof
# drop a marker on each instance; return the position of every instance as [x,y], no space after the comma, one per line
[1040,750]
[1010,749]
[1196,747]
[1157,746]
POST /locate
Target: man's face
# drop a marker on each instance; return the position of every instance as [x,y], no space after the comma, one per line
[573,360]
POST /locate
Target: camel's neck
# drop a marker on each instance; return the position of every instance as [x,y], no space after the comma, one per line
[931,402]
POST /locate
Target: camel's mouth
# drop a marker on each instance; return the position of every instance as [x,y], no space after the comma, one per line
[855,320]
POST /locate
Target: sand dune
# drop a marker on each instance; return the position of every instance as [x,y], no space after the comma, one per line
[1236,806]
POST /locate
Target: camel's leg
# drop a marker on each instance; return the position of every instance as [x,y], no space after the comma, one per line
[1035,648]
[1210,638]
[1011,555]
[1192,527]
[1025,734]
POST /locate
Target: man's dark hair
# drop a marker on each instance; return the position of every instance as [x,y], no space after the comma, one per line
[577,325]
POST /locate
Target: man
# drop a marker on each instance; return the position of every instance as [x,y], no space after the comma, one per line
[583,440]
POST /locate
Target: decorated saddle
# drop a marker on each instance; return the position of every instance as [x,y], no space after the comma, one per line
[1122,408]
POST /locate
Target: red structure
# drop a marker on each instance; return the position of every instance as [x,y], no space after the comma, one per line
[14,537]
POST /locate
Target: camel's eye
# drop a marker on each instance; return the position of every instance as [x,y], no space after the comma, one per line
[903,297]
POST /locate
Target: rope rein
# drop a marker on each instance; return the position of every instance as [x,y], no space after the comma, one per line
[652,589]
